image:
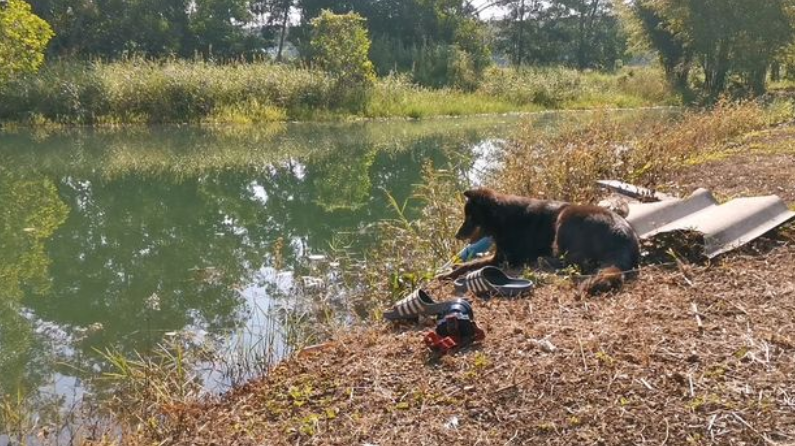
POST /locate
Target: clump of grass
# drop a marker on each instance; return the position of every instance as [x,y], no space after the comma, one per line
[138,90]
[566,88]
[565,165]
[149,389]
[16,417]
[246,112]
[397,96]
[412,250]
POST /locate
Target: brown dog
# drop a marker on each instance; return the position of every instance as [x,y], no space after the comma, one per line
[525,229]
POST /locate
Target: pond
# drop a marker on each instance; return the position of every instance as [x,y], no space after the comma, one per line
[118,239]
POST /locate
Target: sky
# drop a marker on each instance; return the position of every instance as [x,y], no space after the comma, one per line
[295,15]
[489,13]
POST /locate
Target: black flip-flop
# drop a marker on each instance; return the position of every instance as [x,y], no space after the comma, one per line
[492,281]
[415,304]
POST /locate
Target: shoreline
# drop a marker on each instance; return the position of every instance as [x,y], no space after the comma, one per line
[11,127]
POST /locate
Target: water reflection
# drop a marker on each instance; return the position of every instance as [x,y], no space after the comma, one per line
[30,213]
[94,224]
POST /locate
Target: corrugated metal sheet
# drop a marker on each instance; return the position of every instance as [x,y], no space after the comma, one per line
[724,226]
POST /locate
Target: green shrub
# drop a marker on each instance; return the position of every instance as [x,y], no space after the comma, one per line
[550,87]
[72,90]
[23,38]
[340,47]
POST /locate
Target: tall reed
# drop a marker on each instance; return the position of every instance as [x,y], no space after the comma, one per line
[138,90]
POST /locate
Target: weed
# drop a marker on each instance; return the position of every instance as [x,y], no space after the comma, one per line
[605,358]
[481,361]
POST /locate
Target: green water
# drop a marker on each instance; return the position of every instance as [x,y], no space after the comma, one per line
[119,238]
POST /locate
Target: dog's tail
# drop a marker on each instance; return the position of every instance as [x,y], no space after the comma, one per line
[606,279]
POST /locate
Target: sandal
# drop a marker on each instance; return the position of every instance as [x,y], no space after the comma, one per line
[492,281]
[415,304]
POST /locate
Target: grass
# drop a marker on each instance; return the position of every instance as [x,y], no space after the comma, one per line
[632,367]
[395,97]
[140,91]
[560,88]
[565,165]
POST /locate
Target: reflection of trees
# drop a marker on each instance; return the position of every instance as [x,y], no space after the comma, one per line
[30,211]
[344,181]
[130,238]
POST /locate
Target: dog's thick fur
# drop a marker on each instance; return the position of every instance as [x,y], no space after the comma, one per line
[525,229]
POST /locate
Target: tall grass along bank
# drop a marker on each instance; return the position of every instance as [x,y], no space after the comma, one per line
[177,91]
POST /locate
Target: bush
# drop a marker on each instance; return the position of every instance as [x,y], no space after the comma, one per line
[340,46]
[23,38]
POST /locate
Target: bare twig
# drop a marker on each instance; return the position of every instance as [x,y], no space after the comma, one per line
[582,354]
[646,384]
[700,323]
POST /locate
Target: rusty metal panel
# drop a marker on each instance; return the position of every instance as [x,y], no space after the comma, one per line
[641,194]
[724,226]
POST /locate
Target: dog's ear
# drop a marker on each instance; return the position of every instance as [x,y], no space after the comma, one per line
[480,194]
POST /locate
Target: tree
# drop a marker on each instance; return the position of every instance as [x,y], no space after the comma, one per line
[727,39]
[647,30]
[578,33]
[434,40]
[278,20]
[23,38]
[31,213]
[217,26]
[340,46]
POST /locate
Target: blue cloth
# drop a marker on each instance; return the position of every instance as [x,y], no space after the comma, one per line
[481,246]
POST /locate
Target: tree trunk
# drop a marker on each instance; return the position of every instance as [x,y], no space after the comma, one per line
[520,37]
[757,81]
[581,42]
[589,30]
[775,71]
[285,19]
[716,71]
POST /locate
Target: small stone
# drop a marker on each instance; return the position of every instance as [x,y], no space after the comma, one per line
[452,423]
[545,345]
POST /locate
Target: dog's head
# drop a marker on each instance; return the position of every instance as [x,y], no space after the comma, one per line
[477,210]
